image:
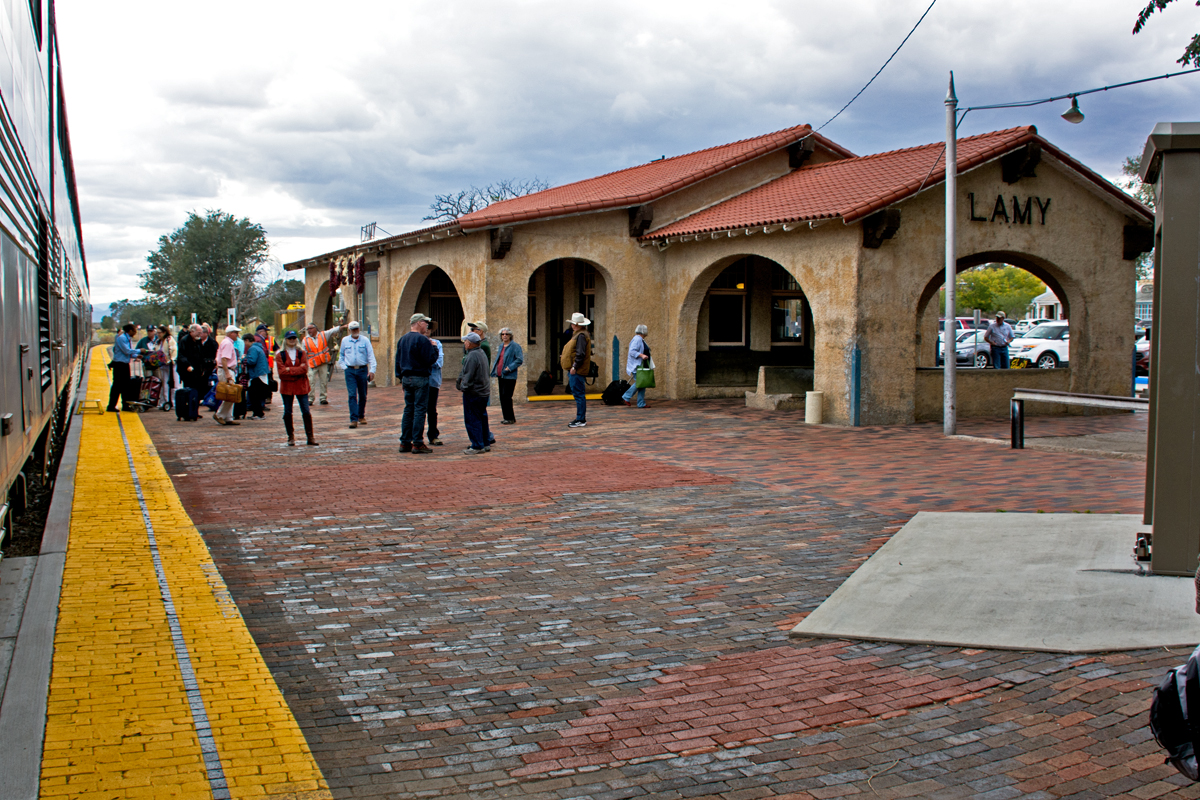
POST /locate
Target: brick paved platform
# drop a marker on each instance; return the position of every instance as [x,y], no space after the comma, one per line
[603,612]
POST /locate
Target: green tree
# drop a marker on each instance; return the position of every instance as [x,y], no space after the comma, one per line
[1191,54]
[107,323]
[208,264]
[278,295]
[140,311]
[1132,184]
[995,287]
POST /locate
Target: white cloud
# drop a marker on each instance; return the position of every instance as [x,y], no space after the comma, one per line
[313,122]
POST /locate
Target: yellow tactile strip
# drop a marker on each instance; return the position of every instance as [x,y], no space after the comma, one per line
[119,723]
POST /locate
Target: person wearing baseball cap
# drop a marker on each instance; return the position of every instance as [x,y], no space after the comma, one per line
[476,387]
[358,360]
[415,360]
[227,363]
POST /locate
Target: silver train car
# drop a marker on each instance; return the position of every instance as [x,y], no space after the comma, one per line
[45,309]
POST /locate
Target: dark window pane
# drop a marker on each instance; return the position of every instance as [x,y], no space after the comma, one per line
[726,323]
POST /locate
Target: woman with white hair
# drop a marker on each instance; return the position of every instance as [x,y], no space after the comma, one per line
[508,361]
[639,354]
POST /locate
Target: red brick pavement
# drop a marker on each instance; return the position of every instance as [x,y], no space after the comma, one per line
[602,613]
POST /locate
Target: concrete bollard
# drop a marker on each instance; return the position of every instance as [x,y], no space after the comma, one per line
[813,406]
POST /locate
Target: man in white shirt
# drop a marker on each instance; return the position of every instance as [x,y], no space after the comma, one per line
[358,360]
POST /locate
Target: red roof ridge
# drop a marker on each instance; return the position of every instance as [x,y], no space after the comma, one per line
[854,188]
[645,184]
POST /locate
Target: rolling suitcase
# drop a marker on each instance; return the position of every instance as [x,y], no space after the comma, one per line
[186,403]
[614,393]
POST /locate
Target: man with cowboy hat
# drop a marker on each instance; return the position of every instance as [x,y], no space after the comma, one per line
[320,361]
[576,360]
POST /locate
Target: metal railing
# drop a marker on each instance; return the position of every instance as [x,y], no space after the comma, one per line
[1016,406]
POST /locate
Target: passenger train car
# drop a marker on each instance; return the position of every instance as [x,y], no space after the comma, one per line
[45,313]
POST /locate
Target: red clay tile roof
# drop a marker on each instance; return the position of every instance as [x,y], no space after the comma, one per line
[855,187]
[641,184]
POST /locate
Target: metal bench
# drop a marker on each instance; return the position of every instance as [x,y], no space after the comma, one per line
[1016,406]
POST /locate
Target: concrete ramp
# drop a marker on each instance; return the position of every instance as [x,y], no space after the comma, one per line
[1062,583]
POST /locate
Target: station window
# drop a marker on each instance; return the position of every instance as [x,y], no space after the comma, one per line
[369,303]
[444,306]
[727,307]
[788,308]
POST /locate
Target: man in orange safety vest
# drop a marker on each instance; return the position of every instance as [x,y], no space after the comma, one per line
[320,360]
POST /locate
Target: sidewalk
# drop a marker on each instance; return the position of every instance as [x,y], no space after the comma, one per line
[593,613]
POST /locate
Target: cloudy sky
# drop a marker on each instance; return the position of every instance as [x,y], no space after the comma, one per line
[313,122]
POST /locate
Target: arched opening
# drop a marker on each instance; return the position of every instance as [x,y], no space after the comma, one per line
[1027,290]
[751,313]
[558,289]
[431,291]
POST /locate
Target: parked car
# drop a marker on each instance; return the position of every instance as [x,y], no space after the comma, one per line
[1142,349]
[970,349]
[1046,346]
[1025,325]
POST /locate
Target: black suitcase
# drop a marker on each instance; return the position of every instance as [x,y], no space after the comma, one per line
[545,383]
[614,393]
[186,403]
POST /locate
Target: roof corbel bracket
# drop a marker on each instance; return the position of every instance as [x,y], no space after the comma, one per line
[1021,163]
[502,239]
[801,151]
[640,219]
[880,226]
[1138,239]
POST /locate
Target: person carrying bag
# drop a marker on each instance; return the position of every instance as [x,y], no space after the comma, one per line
[639,366]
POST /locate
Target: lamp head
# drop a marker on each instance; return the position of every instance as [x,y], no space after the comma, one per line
[1074,115]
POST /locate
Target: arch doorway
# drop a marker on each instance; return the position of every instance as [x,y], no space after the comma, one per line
[558,289]
[754,313]
[1023,289]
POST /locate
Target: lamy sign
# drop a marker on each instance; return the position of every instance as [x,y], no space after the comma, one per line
[1020,212]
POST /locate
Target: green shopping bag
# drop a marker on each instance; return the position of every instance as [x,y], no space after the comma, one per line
[643,378]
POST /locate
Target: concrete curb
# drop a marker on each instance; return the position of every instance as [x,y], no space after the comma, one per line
[23,711]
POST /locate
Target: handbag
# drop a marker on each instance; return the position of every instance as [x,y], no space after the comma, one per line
[229,392]
[644,378]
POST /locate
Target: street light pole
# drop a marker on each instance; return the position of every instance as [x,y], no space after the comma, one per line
[950,332]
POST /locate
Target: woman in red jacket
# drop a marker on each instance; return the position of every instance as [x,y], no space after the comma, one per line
[292,365]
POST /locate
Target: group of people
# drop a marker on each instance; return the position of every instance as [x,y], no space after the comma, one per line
[304,366]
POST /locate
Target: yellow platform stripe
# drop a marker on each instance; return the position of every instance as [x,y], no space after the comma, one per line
[118,719]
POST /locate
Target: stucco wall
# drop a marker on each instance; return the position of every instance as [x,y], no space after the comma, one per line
[865,298]
[986,392]
[1079,249]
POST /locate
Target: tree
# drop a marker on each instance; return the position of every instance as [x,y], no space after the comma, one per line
[208,264]
[278,295]
[139,311]
[1191,54]
[996,287]
[1132,184]
[107,323]
[447,207]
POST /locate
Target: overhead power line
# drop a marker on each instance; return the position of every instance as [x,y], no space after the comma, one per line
[881,69]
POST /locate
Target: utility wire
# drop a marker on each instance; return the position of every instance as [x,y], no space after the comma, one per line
[881,69]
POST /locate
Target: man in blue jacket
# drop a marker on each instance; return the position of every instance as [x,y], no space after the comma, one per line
[123,353]
[415,359]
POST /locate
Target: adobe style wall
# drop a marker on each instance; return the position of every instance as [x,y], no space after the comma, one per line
[882,301]
[1078,251]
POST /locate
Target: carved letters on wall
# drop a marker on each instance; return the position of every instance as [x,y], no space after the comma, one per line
[1014,210]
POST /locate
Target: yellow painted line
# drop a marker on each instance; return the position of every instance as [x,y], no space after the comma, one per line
[118,719]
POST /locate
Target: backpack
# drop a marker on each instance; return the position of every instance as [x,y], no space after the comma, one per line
[614,393]
[545,383]
[1170,720]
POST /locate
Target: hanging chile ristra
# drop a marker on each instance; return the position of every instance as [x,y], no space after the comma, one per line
[361,274]
[333,277]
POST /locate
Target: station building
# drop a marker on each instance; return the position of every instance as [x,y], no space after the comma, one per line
[784,251]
